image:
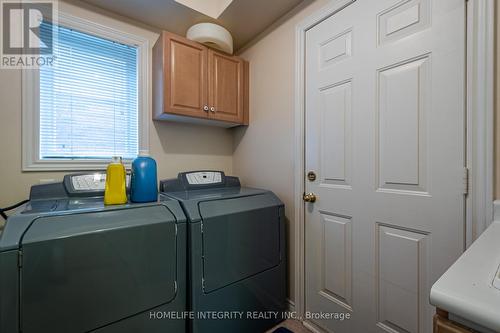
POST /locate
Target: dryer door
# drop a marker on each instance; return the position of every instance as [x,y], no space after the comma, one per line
[84,271]
[241,238]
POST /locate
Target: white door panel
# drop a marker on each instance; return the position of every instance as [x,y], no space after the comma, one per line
[385,135]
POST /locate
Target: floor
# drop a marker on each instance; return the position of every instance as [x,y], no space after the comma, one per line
[293,325]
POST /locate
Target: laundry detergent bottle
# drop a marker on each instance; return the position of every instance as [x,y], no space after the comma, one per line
[143,182]
[115,192]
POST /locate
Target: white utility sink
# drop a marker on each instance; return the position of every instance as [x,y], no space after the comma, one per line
[496,280]
[470,288]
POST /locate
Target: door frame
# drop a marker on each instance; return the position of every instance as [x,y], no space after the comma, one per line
[479,124]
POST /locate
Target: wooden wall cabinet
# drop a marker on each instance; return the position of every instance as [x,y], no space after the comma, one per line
[193,83]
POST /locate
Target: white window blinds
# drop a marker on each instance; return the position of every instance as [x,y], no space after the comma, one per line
[89,98]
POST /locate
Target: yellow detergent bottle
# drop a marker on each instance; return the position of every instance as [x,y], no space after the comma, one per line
[116,190]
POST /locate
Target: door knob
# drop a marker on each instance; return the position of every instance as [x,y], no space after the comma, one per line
[309,197]
[212,109]
[205,108]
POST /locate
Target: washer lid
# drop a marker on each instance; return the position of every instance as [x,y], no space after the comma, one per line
[191,199]
[84,271]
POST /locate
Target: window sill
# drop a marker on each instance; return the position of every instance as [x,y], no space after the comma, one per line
[70,165]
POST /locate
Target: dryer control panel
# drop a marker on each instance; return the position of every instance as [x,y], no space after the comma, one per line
[204,177]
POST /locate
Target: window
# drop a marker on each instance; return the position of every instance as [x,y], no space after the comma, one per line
[90,105]
[88,102]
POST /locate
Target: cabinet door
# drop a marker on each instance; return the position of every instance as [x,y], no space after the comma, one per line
[226,90]
[443,325]
[186,77]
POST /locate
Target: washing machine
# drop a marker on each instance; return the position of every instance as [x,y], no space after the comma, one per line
[236,252]
[70,264]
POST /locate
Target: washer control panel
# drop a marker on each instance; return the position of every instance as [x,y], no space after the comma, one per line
[87,184]
[204,177]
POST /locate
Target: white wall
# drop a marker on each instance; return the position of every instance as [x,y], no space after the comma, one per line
[264,152]
[176,147]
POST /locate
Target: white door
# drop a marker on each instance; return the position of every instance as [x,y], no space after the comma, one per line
[385,83]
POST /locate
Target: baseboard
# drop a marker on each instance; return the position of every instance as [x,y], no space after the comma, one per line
[312,327]
[290,305]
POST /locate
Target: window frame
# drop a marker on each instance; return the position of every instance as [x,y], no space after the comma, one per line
[31,160]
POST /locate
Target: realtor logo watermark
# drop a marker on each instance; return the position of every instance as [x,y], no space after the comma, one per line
[27,33]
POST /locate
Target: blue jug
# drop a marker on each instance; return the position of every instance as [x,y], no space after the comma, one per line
[143,182]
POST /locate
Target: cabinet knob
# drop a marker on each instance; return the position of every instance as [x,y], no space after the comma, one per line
[212,109]
[205,108]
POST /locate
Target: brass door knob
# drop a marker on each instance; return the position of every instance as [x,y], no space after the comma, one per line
[309,197]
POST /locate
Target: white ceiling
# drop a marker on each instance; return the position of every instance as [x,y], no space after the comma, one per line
[245,19]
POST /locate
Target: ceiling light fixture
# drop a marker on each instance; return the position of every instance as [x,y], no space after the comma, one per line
[212,35]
